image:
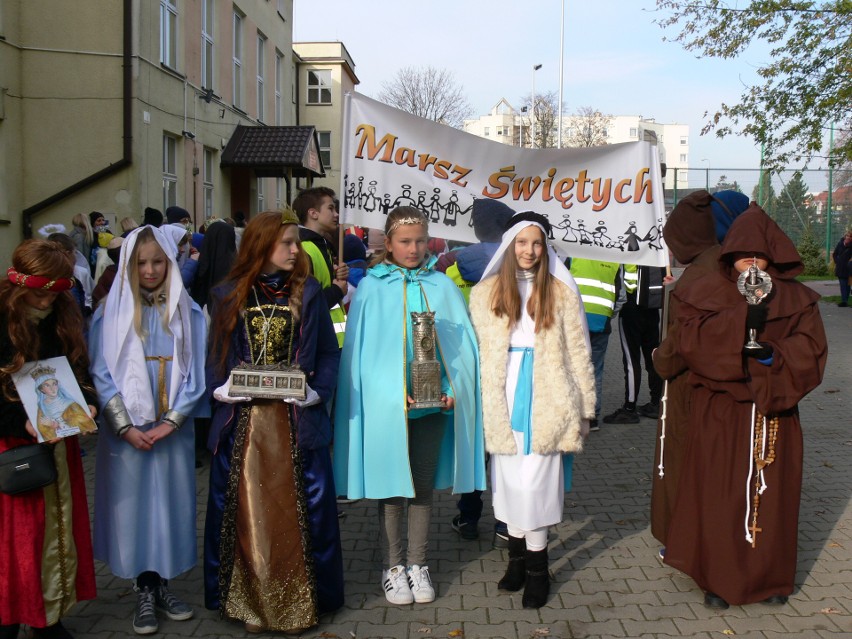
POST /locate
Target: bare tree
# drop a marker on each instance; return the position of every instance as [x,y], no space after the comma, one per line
[544,116]
[587,127]
[428,92]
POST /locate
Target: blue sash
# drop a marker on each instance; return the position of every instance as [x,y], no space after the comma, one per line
[522,407]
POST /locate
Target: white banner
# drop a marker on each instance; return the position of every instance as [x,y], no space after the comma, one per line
[605,203]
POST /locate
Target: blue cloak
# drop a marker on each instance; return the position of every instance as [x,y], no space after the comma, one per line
[370,429]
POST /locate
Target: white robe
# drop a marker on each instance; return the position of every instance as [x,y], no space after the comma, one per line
[528,490]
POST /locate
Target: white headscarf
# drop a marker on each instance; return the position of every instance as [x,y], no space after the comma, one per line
[122,347]
[555,266]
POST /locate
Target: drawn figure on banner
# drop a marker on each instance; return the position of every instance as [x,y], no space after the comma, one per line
[349,193]
[371,200]
[617,243]
[632,237]
[385,204]
[405,199]
[435,207]
[421,201]
[585,237]
[452,210]
[652,237]
[600,234]
[569,235]
[58,413]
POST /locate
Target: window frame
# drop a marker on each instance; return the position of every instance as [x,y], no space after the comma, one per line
[237,61]
[170,165]
[208,185]
[208,60]
[261,76]
[324,150]
[319,87]
[169,33]
[279,100]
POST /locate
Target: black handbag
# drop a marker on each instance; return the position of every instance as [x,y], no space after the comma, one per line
[26,468]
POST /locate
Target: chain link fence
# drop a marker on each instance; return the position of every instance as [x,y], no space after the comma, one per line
[796,200]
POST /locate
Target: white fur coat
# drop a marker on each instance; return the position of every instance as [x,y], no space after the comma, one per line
[563,377]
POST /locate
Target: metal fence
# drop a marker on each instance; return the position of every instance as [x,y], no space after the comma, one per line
[796,200]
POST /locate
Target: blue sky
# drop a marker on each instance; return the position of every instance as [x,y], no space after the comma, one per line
[615,60]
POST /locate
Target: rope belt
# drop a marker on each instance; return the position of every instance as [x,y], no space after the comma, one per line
[162,394]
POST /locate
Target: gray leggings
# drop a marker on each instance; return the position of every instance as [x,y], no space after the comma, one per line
[424,446]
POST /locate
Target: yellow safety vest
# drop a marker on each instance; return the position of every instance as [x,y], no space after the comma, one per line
[464,286]
[323,275]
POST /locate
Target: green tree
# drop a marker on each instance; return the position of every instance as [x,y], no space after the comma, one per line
[793,211]
[806,81]
[812,254]
[722,184]
[769,199]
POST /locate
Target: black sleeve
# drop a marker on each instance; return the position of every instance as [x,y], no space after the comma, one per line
[333,295]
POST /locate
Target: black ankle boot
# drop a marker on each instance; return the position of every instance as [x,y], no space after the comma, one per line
[10,631]
[538,580]
[516,571]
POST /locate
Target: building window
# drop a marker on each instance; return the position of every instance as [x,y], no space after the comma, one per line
[168,33]
[238,61]
[209,158]
[261,48]
[502,130]
[169,171]
[279,191]
[683,158]
[325,148]
[282,9]
[261,206]
[634,132]
[684,141]
[208,10]
[279,80]
[486,131]
[319,87]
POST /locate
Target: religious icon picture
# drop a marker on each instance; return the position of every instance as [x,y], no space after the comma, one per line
[52,398]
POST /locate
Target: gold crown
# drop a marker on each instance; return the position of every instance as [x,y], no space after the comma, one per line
[405,221]
[288,216]
[41,371]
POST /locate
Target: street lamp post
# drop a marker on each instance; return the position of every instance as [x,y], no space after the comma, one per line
[536,67]
[706,174]
[561,74]
[521,120]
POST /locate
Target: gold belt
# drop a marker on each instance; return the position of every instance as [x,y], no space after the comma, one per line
[163,396]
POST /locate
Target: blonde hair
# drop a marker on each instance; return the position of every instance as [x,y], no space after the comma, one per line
[146,236]
[81,221]
[400,216]
[128,224]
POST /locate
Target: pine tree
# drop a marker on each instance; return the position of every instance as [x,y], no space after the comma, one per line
[812,254]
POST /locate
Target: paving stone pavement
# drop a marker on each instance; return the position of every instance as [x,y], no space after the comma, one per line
[608,581]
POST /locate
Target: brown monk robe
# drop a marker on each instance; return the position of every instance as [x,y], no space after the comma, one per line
[732,541]
[690,234]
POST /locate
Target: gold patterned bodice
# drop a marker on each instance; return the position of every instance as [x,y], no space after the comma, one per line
[278,337]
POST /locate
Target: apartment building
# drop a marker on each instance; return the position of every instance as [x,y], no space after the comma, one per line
[326,72]
[504,124]
[118,105]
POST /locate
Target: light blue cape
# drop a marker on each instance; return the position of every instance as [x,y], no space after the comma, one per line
[370,429]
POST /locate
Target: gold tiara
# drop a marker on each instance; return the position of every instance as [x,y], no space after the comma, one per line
[288,216]
[42,370]
[406,221]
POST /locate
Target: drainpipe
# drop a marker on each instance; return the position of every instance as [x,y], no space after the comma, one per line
[127,134]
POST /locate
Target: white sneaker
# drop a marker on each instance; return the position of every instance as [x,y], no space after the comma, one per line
[396,586]
[420,583]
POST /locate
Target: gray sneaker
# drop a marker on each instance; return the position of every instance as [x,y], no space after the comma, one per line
[175,609]
[145,619]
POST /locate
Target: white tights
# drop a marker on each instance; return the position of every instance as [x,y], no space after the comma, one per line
[536,539]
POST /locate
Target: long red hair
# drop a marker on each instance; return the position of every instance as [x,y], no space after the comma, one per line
[259,239]
[506,300]
[40,257]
